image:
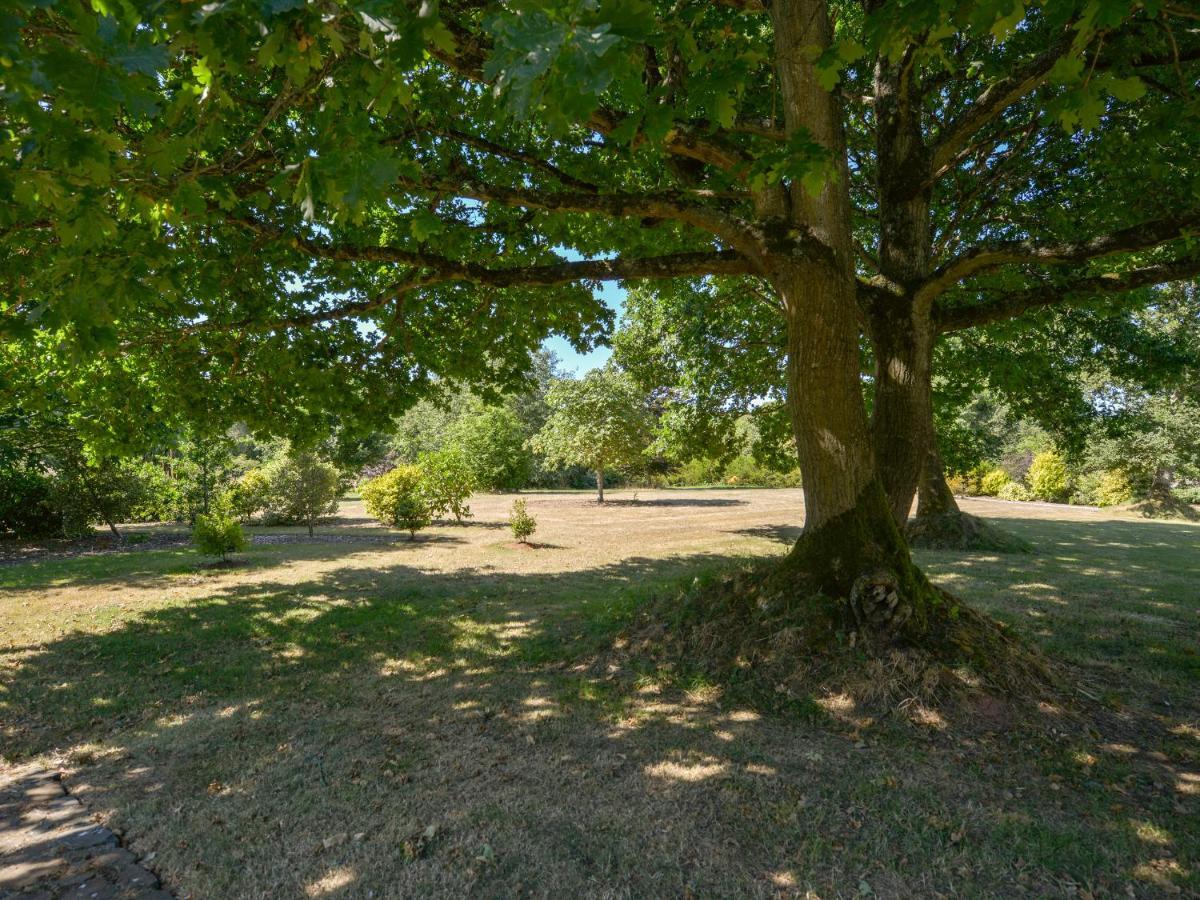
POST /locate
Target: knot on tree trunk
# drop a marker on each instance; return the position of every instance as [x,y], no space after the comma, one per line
[879,609]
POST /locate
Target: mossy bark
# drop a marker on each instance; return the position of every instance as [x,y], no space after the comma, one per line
[900,319]
[859,565]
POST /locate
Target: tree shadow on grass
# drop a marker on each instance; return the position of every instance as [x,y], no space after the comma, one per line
[1117,599]
[255,639]
[672,502]
[236,735]
[146,568]
[783,534]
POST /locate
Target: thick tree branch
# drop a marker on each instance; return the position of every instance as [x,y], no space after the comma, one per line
[990,256]
[670,265]
[684,140]
[1007,305]
[520,156]
[428,269]
[996,98]
[677,205]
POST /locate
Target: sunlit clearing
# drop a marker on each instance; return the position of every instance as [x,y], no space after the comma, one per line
[743,715]
[1188,783]
[923,715]
[785,879]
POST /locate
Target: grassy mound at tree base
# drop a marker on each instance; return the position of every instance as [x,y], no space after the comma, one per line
[1162,507]
[962,531]
[778,650]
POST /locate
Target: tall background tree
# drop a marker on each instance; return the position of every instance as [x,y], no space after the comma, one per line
[599,421]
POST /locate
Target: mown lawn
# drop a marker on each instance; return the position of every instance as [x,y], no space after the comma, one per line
[365,716]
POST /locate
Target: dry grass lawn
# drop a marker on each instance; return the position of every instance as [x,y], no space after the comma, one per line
[364,716]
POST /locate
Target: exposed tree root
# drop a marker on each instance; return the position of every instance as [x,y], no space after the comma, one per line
[775,646]
[955,530]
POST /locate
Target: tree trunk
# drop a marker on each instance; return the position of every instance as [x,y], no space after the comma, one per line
[851,548]
[112,526]
[900,320]
[600,485]
[310,527]
[902,418]
[1161,485]
[934,497]
[941,525]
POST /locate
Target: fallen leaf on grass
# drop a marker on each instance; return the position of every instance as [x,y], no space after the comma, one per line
[416,846]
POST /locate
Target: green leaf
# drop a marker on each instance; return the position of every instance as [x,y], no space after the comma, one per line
[1006,23]
[425,225]
[1066,70]
[144,59]
[203,73]
[1126,89]
[725,110]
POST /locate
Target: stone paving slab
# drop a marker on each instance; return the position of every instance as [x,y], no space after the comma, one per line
[51,849]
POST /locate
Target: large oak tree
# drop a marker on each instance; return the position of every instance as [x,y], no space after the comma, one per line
[280,207]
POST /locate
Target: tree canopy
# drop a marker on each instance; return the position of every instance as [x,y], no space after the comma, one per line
[599,421]
[300,199]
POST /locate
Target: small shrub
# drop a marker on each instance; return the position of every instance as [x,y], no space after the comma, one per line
[744,469]
[159,499]
[303,489]
[1113,488]
[448,482]
[1014,491]
[969,483]
[993,482]
[1189,493]
[27,504]
[521,522]
[249,495]
[218,534]
[398,499]
[697,472]
[1048,479]
[957,483]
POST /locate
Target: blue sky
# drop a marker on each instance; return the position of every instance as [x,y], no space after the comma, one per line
[576,363]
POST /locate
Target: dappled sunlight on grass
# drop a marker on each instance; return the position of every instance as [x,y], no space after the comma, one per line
[1149,833]
[245,725]
[686,770]
[332,882]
